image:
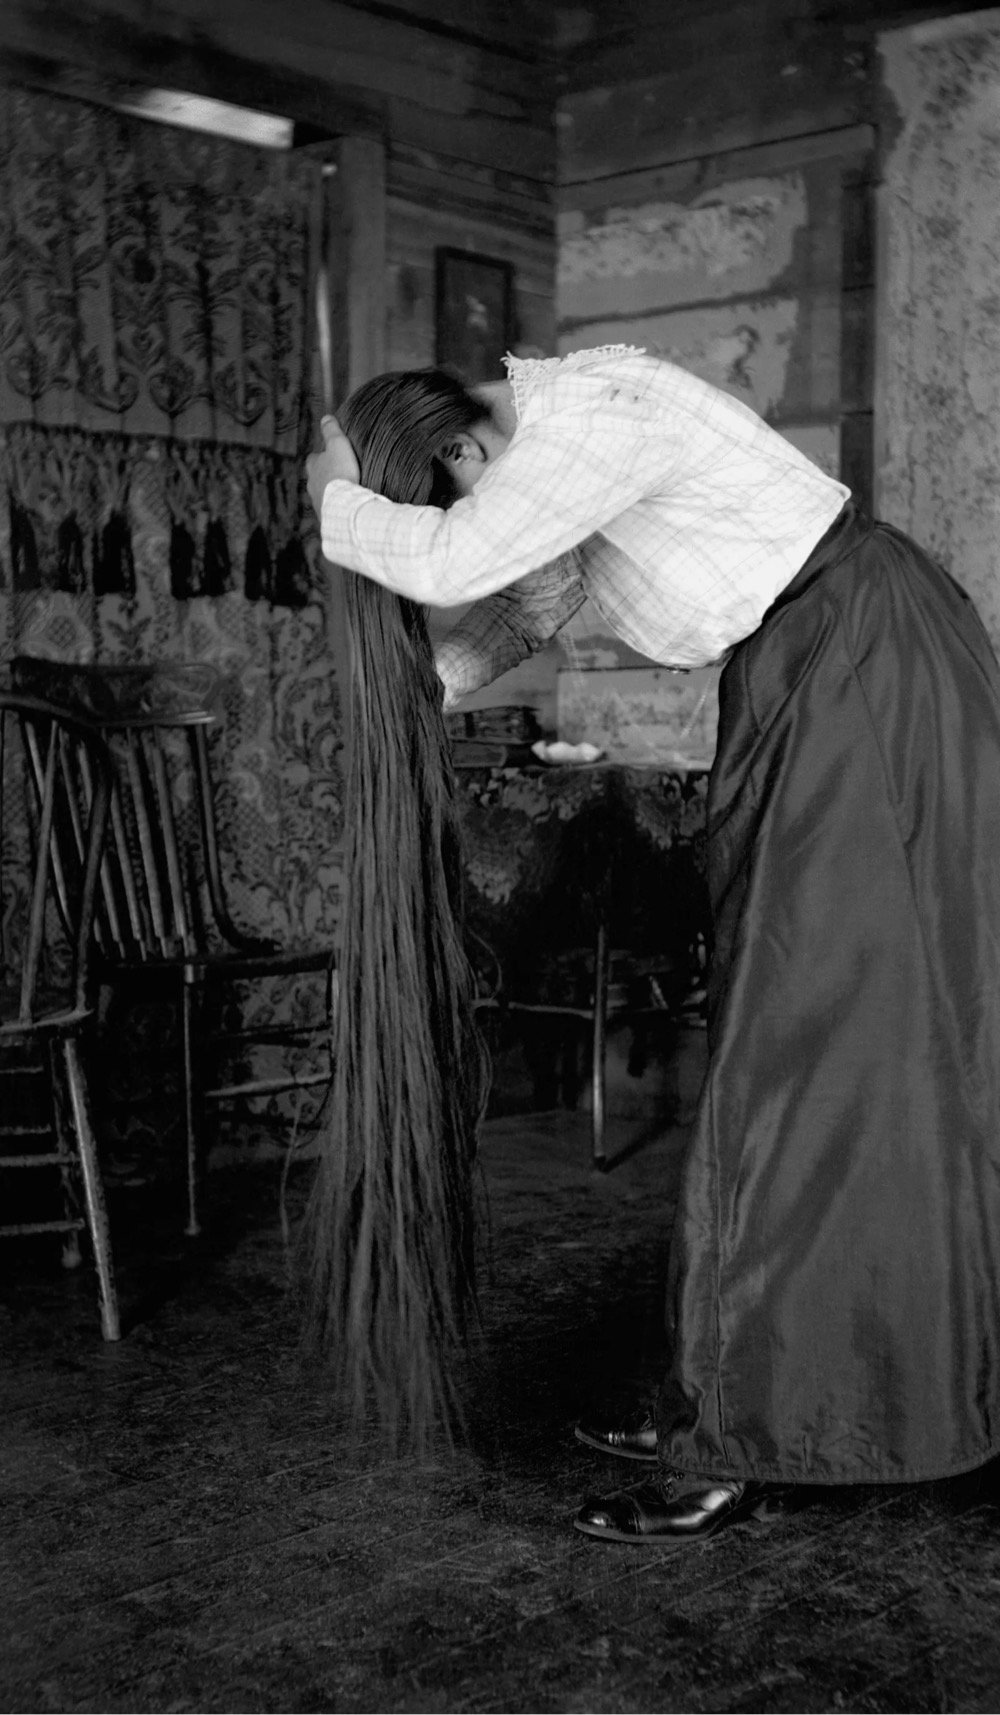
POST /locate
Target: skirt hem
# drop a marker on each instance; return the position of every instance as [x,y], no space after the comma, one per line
[769,1474]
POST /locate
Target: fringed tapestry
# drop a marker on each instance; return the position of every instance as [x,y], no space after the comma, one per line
[156,340]
[153,281]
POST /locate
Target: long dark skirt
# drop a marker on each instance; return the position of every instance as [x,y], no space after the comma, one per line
[834,1303]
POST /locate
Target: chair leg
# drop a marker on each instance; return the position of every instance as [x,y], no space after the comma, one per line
[62,1120]
[93,1193]
[599,1045]
[191,1139]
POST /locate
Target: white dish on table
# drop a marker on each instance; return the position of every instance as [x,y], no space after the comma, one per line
[559,752]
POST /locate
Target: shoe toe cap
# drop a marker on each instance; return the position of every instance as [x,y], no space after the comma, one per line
[610,1512]
[597,1514]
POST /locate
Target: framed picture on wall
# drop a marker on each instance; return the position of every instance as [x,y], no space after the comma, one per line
[474,313]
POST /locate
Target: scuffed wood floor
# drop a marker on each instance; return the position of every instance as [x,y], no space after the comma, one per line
[185,1528]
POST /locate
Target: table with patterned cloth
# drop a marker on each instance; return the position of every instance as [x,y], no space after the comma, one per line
[552,853]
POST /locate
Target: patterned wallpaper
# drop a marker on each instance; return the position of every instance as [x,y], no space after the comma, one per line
[938,403]
[156,396]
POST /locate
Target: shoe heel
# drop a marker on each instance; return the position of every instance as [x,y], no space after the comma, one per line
[767,1509]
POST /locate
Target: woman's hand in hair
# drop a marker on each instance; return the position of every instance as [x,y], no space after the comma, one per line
[336,463]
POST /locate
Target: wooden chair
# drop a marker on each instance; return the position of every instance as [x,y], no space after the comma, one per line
[55,794]
[162,913]
[618,985]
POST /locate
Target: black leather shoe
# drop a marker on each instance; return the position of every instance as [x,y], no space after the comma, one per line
[657,1515]
[632,1437]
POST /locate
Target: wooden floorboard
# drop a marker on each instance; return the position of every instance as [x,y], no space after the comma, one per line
[185,1525]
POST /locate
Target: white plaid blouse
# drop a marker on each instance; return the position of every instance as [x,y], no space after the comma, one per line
[672,505]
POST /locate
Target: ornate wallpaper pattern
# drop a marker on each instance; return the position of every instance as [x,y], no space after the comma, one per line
[156,368]
[155,363]
[279,748]
[939,318]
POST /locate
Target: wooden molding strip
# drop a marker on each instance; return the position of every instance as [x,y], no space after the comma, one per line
[681,178]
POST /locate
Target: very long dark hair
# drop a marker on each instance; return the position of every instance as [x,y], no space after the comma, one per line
[390,1223]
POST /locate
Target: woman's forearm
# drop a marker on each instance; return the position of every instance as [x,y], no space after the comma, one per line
[500,632]
[557,483]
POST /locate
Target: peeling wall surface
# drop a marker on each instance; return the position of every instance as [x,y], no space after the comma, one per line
[734,238]
[938,405]
[742,347]
[694,283]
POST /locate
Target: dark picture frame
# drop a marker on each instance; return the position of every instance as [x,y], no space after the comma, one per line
[473,313]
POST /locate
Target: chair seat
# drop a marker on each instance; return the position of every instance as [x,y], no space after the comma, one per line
[228,964]
[634,983]
[275,960]
[53,1026]
[52,1017]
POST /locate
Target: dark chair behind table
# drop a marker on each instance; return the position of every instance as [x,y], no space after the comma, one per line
[588,950]
[602,985]
[162,914]
[55,795]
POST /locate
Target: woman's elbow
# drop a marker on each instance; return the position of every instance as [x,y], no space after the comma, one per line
[427,586]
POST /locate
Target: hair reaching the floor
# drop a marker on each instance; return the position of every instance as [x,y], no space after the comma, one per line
[390,1223]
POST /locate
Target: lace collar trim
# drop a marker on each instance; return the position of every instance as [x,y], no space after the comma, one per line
[524,372]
